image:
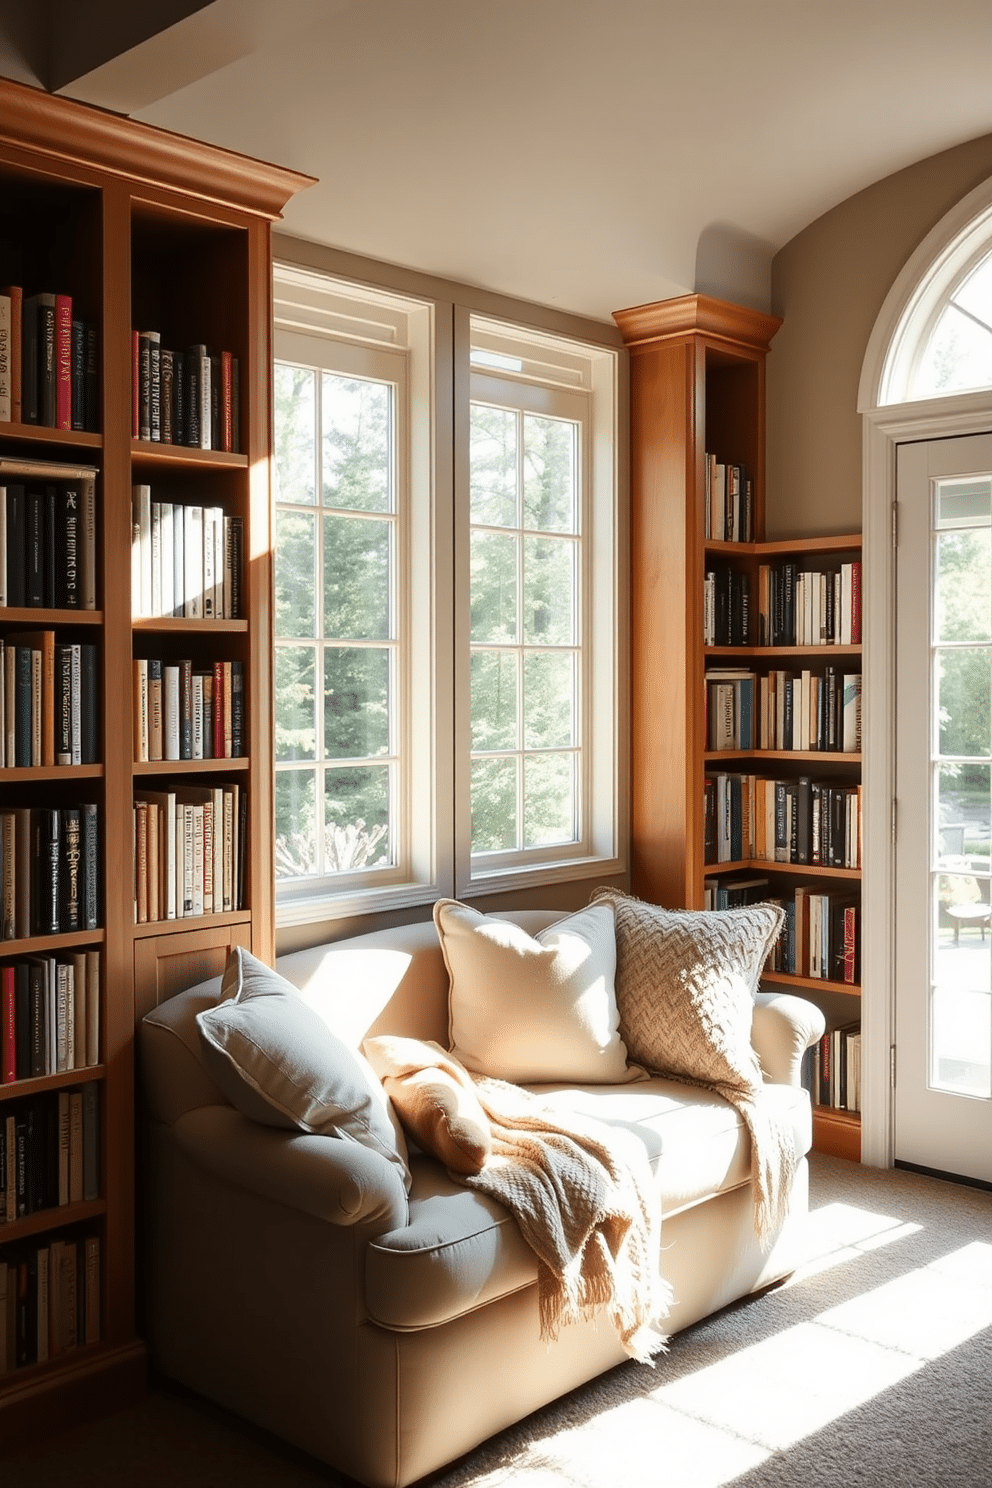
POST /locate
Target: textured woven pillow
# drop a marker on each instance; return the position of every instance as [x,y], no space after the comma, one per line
[279,1063]
[435,1100]
[533,1009]
[686,981]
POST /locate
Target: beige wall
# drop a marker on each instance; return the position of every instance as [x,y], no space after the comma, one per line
[828,284]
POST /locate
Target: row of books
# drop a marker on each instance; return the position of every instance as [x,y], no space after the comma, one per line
[810,823]
[186,561]
[189,852]
[47,538]
[726,607]
[182,713]
[50,1150]
[805,710]
[50,865]
[49,1015]
[832,1069]
[809,607]
[48,701]
[729,502]
[48,362]
[49,1300]
[185,397]
[821,937]
[795,607]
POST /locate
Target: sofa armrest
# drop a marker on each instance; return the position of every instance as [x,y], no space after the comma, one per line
[782,1029]
[327,1177]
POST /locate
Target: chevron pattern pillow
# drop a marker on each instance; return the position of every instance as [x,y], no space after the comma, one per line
[685,988]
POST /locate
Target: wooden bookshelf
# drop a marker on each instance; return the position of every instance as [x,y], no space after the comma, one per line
[698,388]
[143,229]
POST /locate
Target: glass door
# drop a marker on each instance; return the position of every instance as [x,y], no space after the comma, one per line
[943,1090]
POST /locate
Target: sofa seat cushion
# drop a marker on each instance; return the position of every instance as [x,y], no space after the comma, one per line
[461,1249]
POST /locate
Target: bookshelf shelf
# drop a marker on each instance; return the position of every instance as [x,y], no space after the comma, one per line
[148,455]
[128,228]
[191,767]
[64,439]
[698,398]
[152,929]
[52,1219]
[41,1083]
[166,624]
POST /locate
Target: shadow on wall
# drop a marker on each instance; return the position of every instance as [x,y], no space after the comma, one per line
[734,265]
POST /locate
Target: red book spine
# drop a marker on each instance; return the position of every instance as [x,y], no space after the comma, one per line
[8,1068]
[63,361]
[226,405]
[134,384]
[856,604]
[218,710]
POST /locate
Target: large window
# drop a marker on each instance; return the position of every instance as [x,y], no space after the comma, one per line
[446,665]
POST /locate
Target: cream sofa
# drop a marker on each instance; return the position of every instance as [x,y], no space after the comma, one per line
[292,1279]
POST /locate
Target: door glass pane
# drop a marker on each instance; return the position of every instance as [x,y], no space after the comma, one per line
[356,701]
[960,1031]
[494,805]
[494,700]
[356,818]
[356,579]
[493,466]
[964,690]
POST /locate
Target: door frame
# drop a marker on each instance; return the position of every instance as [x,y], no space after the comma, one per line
[883,430]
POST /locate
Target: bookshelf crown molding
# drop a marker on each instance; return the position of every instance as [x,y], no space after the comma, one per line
[89,137]
[694,314]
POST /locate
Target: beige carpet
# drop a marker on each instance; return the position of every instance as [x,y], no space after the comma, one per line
[872,1367]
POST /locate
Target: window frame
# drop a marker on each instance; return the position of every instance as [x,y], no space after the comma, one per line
[579,373]
[337,326]
[311,284]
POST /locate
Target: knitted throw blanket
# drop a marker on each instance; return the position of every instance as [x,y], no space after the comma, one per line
[587,1204]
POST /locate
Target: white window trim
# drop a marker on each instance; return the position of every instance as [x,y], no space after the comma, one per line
[310,309]
[890,418]
[920,293]
[567,365]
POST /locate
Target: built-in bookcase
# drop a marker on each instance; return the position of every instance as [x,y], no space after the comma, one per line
[131,229]
[698,402]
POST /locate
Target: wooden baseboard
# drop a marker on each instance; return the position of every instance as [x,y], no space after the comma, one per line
[37,1401]
[837,1133]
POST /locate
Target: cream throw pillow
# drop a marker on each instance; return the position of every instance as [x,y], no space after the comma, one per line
[533,1009]
[435,1099]
[278,1062]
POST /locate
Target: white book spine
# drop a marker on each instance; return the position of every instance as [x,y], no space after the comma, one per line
[178,560]
[170,687]
[167,560]
[156,574]
[193,519]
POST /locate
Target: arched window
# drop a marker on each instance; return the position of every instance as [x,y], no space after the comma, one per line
[957,355]
[934,334]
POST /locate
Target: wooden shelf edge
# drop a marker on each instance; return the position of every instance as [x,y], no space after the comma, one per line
[29,944]
[810,984]
[13,1089]
[212,765]
[827,757]
[787,653]
[58,1218]
[775,547]
[95,1380]
[42,434]
[154,452]
[768,865]
[837,1133]
[152,928]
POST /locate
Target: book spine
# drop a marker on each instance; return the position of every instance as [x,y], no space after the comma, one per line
[63,362]
[5,358]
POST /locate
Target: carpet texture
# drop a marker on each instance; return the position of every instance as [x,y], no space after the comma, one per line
[871,1367]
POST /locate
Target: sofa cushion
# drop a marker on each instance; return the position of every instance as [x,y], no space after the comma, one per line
[434,1100]
[279,1063]
[686,981]
[462,1249]
[541,1007]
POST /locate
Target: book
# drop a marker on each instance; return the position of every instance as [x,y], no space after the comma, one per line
[63,361]
[6,334]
